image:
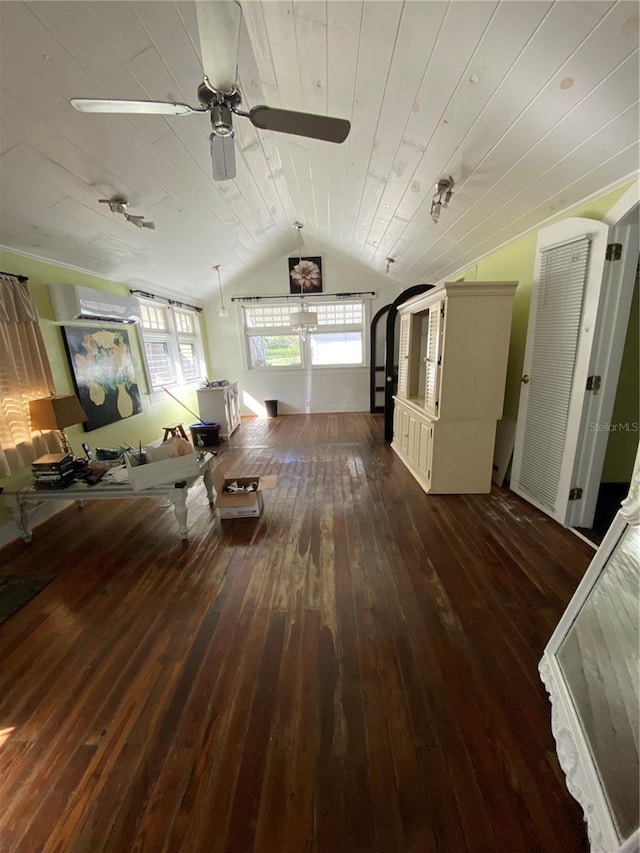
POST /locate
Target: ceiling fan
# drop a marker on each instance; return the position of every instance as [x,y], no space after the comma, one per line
[219,29]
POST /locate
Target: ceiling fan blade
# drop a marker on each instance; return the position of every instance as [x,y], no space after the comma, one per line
[97,105]
[219,30]
[300,124]
[223,157]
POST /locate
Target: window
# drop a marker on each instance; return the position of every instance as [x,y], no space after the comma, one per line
[337,340]
[171,342]
[25,375]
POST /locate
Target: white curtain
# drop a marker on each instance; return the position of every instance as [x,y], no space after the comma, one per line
[25,375]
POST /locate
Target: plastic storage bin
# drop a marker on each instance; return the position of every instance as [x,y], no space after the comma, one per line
[205,435]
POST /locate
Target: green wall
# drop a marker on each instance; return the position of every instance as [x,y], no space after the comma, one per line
[156,414]
[515,262]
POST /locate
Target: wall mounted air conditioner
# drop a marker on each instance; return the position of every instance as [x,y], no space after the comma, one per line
[72,302]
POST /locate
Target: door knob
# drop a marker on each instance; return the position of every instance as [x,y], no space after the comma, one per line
[389,379]
[525,379]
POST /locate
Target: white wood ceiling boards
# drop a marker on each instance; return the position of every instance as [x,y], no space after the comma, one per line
[530,105]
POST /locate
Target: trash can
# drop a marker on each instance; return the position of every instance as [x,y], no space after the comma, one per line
[204,434]
[272,408]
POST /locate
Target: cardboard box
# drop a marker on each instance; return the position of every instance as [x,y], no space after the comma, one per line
[160,469]
[240,504]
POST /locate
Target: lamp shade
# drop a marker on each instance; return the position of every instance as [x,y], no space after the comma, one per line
[56,412]
[303,319]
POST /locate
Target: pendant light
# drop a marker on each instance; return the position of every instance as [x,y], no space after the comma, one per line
[222,312]
[303,320]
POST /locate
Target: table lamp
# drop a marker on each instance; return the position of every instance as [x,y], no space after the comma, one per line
[56,413]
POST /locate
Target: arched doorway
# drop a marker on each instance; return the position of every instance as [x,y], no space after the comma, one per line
[384,358]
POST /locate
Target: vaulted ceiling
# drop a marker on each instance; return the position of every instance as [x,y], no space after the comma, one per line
[529,106]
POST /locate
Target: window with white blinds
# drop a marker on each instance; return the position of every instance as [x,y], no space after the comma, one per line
[337,341]
[560,294]
[171,344]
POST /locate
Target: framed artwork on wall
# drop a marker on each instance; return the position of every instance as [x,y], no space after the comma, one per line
[305,275]
[103,373]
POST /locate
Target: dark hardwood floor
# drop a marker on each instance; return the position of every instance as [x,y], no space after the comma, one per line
[354,671]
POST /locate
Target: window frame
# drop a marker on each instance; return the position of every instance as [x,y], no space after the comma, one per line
[173,337]
[248,331]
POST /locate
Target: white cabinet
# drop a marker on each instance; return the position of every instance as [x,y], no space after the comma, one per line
[454,344]
[221,406]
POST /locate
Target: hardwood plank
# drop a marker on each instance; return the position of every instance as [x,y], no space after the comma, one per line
[355,670]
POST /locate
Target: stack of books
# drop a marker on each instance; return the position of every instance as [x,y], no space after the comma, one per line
[53,471]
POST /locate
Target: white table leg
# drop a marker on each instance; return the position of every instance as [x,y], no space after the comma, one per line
[206,479]
[178,498]
[18,511]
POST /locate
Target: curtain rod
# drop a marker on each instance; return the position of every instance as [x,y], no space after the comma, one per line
[305,296]
[166,299]
[21,278]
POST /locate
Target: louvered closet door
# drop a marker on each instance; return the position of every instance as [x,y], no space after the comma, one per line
[403,355]
[559,339]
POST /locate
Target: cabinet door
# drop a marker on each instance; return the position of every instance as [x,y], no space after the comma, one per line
[413,428]
[403,356]
[211,406]
[425,444]
[403,437]
[397,422]
[433,358]
[232,409]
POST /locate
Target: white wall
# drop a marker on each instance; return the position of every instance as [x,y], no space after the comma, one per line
[327,389]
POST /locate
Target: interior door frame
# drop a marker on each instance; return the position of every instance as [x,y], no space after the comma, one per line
[559,233]
[391,367]
[375,368]
[618,283]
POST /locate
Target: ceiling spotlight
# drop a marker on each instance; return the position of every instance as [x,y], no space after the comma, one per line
[116,205]
[388,262]
[139,221]
[442,197]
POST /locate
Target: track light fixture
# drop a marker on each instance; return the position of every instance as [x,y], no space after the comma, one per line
[119,204]
[442,197]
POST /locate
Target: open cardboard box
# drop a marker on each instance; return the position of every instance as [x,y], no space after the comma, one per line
[240,504]
[160,468]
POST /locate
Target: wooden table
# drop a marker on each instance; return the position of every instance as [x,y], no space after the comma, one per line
[23,495]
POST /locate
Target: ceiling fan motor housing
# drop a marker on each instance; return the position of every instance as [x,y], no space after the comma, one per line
[220,105]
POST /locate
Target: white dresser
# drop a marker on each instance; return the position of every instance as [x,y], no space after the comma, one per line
[220,406]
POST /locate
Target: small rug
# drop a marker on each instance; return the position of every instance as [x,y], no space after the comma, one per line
[16,590]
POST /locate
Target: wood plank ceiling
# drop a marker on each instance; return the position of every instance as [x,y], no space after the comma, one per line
[530,106]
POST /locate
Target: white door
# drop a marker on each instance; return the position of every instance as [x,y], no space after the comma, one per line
[564,306]
[613,319]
